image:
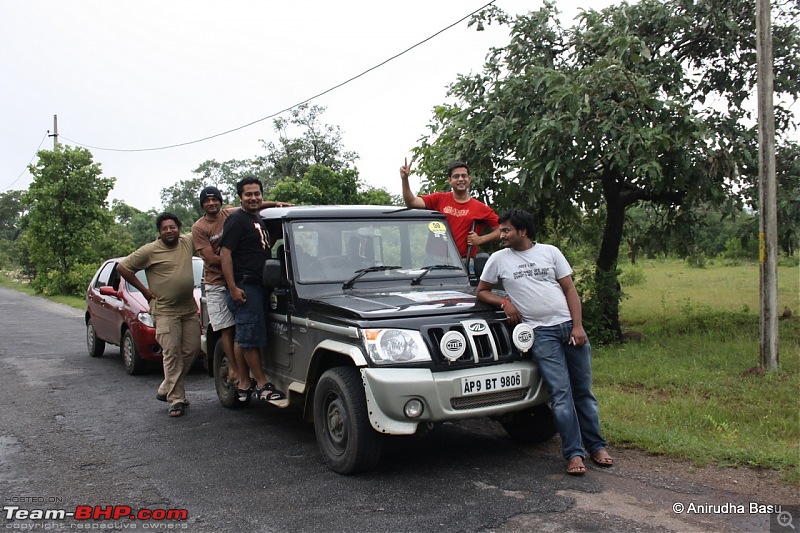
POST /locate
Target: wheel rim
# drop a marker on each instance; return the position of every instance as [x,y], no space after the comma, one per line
[90,337]
[223,371]
[127,351]
[335,421]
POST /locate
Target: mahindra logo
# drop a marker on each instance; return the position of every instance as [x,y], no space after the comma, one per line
[477,327]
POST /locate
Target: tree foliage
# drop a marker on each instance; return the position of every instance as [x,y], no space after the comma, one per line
[317,144]
[322,185]
[10,214]
[139,224]
[635,104]
[67,220]
[308,165]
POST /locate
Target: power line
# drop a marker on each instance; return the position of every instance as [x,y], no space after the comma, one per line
[29,163]
[459,21]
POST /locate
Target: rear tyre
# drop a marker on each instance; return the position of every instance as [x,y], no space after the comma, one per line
[95,346]
[134,365]
[226,391]
[344,434]
[531,426]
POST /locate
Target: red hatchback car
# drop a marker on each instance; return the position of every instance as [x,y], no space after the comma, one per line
[117,313]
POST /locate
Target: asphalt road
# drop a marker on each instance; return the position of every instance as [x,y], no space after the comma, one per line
[77,431]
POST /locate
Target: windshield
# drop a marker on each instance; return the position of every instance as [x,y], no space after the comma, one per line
[335,251]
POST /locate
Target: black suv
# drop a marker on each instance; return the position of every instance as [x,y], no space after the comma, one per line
[374,329]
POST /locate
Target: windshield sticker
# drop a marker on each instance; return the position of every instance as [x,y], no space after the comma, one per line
[437,228]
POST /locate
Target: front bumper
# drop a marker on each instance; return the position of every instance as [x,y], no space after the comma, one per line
[389,389]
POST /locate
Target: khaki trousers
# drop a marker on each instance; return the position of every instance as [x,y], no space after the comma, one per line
[179,337]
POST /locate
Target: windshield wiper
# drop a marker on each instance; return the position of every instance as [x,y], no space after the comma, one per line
[350,282]
[418,279]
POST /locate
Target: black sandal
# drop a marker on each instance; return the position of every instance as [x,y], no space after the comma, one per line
[176,409]
[268,393]
[244,394]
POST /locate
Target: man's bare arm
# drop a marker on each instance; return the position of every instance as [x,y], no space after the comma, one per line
[409,197]
[131,278]
[575,310]
[208,255]
[226,261]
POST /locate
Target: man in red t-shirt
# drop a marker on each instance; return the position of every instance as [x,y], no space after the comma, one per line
[460,208]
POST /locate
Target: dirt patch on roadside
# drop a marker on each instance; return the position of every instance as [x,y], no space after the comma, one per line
[649,493]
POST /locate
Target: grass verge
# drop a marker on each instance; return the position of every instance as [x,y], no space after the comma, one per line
[21,286]
[688,389]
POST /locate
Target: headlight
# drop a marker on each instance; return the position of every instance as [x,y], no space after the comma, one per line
[390,346]
[146,319]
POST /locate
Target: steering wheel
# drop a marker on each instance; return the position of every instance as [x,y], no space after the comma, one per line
[328,265]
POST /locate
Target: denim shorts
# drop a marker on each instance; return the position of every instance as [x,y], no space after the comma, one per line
[251,324]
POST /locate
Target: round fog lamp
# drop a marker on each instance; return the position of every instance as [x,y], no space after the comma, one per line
[523,337]
[413,408]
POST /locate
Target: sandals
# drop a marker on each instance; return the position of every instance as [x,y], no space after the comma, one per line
[602,458]
[244,394]
[176,409]
[575,466]
[268,393]
[163,398]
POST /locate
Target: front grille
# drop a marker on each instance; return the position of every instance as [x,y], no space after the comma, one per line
[487,400]
[489,346]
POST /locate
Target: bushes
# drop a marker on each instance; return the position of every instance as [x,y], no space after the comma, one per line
[73,282]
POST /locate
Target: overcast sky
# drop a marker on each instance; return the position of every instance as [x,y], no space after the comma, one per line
[131,75]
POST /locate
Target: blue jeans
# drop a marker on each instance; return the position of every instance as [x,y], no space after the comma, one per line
[567,372]
[251,325]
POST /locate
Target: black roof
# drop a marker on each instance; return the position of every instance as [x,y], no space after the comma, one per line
[339,212]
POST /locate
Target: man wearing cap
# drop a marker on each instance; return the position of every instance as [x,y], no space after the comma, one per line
[207,233]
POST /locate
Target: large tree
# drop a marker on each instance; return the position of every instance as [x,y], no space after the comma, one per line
[67,215]
[644,103]
[304,141]
[10,214]
[307,165]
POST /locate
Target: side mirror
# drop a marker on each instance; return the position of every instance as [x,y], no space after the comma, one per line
[480,262]
[107,290]
[273,273]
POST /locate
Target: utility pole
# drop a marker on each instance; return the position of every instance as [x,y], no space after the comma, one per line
[54,135]
[768,218]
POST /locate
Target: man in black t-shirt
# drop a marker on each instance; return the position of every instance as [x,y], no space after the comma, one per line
[243,249]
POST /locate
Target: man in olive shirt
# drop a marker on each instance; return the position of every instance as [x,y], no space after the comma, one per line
[167,264]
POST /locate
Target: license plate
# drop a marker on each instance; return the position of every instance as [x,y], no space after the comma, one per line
[491,382]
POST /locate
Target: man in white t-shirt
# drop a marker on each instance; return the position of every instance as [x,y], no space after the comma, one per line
[538,281]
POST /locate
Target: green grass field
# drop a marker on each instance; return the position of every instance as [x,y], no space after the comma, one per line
[685,390]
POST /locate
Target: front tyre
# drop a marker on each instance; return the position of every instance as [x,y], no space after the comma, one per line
[226,391]
[95,346]
[344,435]
[530,426]
[134,364]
